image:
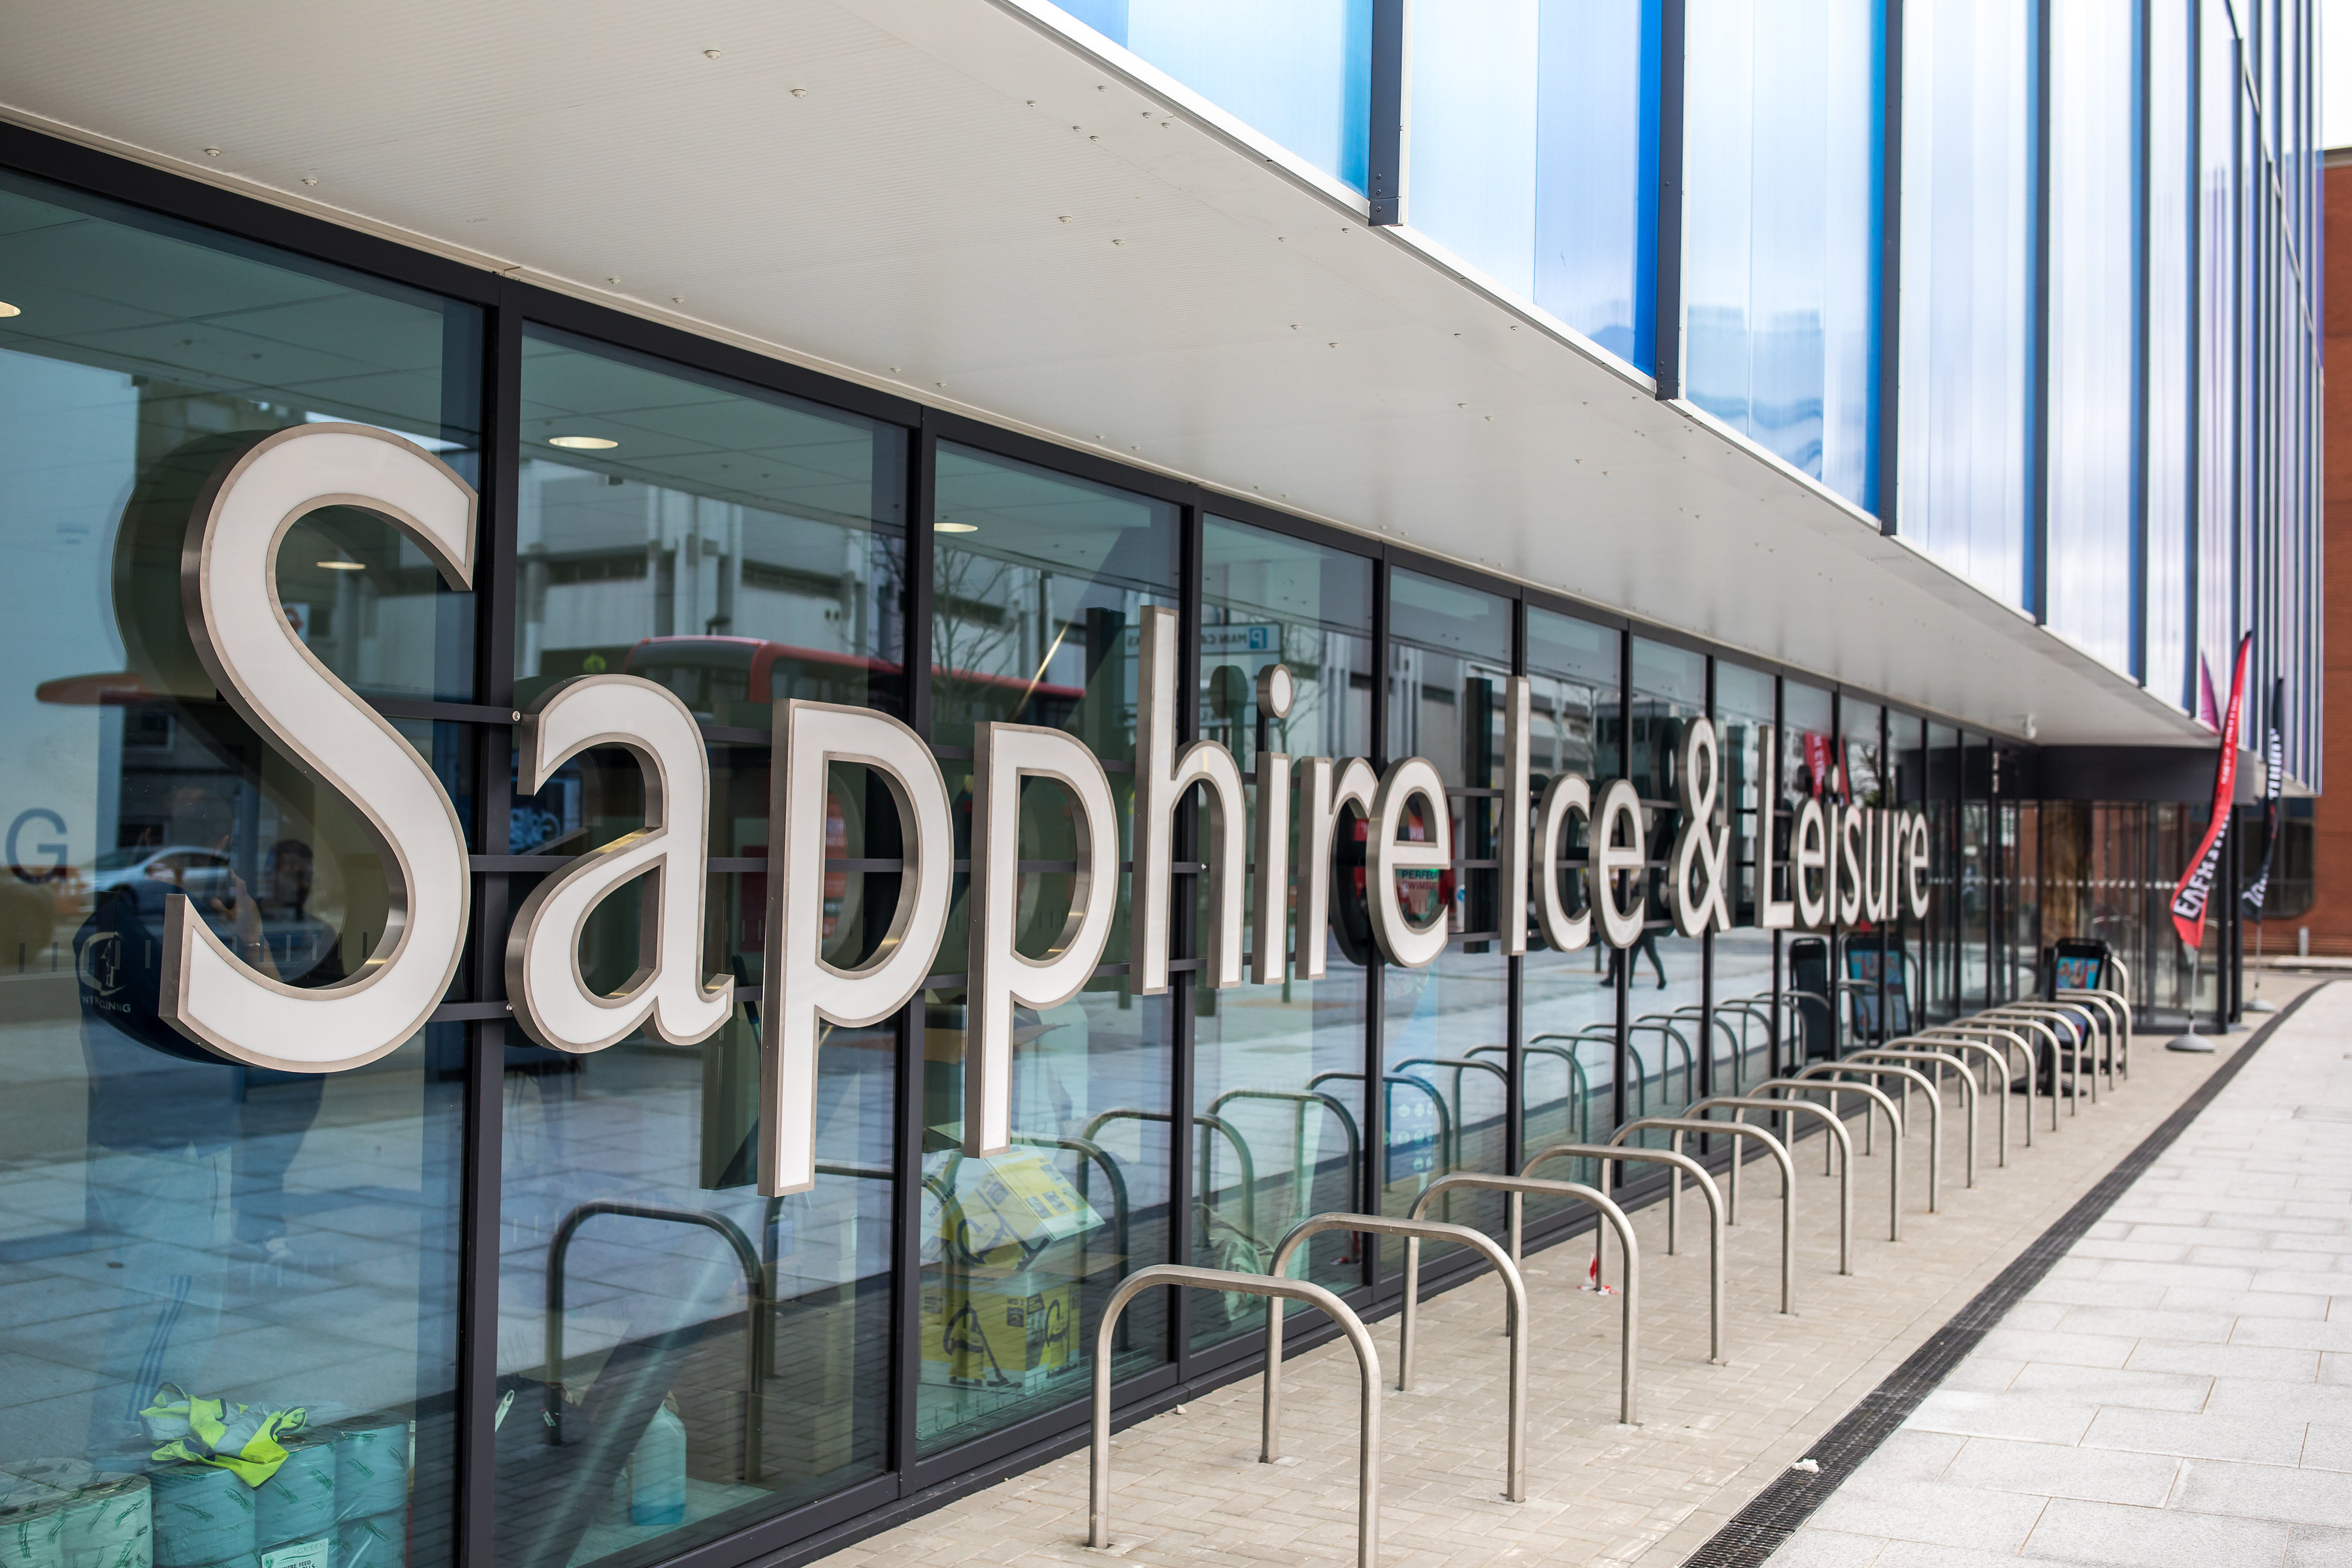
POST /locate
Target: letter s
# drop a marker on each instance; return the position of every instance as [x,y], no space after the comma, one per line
[228,589]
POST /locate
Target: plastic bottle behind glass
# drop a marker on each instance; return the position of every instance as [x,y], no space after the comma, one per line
[657,1471]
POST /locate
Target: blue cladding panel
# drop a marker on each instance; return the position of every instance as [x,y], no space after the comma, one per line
[1597,171]
[2171,322]
[1780,219]
[2218,214]
[1535,154]
[2094,278]
[1473,181]
[1965,317]
[1299,71]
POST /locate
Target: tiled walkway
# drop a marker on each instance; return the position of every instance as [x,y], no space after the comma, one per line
[1188,1491]
[2179,1389]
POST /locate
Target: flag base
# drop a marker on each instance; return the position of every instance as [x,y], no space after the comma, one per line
[2189,1043]
[2262,1005]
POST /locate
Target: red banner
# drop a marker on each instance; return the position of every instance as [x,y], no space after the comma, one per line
[2196,884]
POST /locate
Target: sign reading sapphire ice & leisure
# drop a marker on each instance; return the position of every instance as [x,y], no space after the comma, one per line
[1843,864]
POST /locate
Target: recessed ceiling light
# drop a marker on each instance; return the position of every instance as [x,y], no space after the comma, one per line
[343,565]
[581,443]
[8,309]
[955,528]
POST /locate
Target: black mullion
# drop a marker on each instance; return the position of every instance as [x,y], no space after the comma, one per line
[494,620]
[1769,804]
[1376,1122]
[1887,306]
[906,1192]
[1387,92]
[1511,907]
[907,1246]
[1666,309]
[1889,923]
[1706,936]
[2143,70]
[2037,390]
[1621,962]
[1184,932]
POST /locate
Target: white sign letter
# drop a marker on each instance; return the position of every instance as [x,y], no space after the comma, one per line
[1568,794]
[803,990]
[1402,942]
[228,586]
[1163,776]
[1618,811]
[666,996]
[1001,976]
[1328,791]
[1809,865]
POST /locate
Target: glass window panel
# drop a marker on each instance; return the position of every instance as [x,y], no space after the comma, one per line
[171,1221]
[2094,342]
[733,544]
[1535,152]
[717,1356]
[1449,658]
[1281,1068]
[1780,219]
[1744,955]
[1866,761]
[737,547]
[2171,214]
[1040,580]
[1569,1071]
[1967,307]
[1665,1033]
[1299,72]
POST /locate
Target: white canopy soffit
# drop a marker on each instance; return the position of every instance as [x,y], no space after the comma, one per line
[951,199]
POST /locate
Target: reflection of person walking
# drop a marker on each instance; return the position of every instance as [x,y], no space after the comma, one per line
[1648,945]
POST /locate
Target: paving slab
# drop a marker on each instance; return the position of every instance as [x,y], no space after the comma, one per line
[2222,1431]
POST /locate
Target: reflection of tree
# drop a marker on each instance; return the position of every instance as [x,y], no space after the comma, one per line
[975,630]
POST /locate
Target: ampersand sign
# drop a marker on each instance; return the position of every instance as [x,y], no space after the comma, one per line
[1699,767]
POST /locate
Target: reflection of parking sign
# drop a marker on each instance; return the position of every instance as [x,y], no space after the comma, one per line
[1257,639]
[1413,1133]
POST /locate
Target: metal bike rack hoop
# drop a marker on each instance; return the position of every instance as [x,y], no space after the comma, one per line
[755,1305]
[1367,1362]
[1740,1104]
[1934,1113]
[1678,1125]
[1682,1163]
[1943,1040]
[1630,1339]
[1414,1231]
[1942,1060]
[1872,1095]
[1983,1036]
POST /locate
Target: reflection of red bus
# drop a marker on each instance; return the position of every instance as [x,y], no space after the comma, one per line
[732,681]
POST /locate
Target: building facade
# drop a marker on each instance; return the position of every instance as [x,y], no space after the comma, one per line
[1921,397]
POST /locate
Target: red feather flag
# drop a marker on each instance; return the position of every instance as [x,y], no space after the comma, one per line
[2196,884]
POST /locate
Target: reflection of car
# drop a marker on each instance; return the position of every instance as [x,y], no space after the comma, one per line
[199,873]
